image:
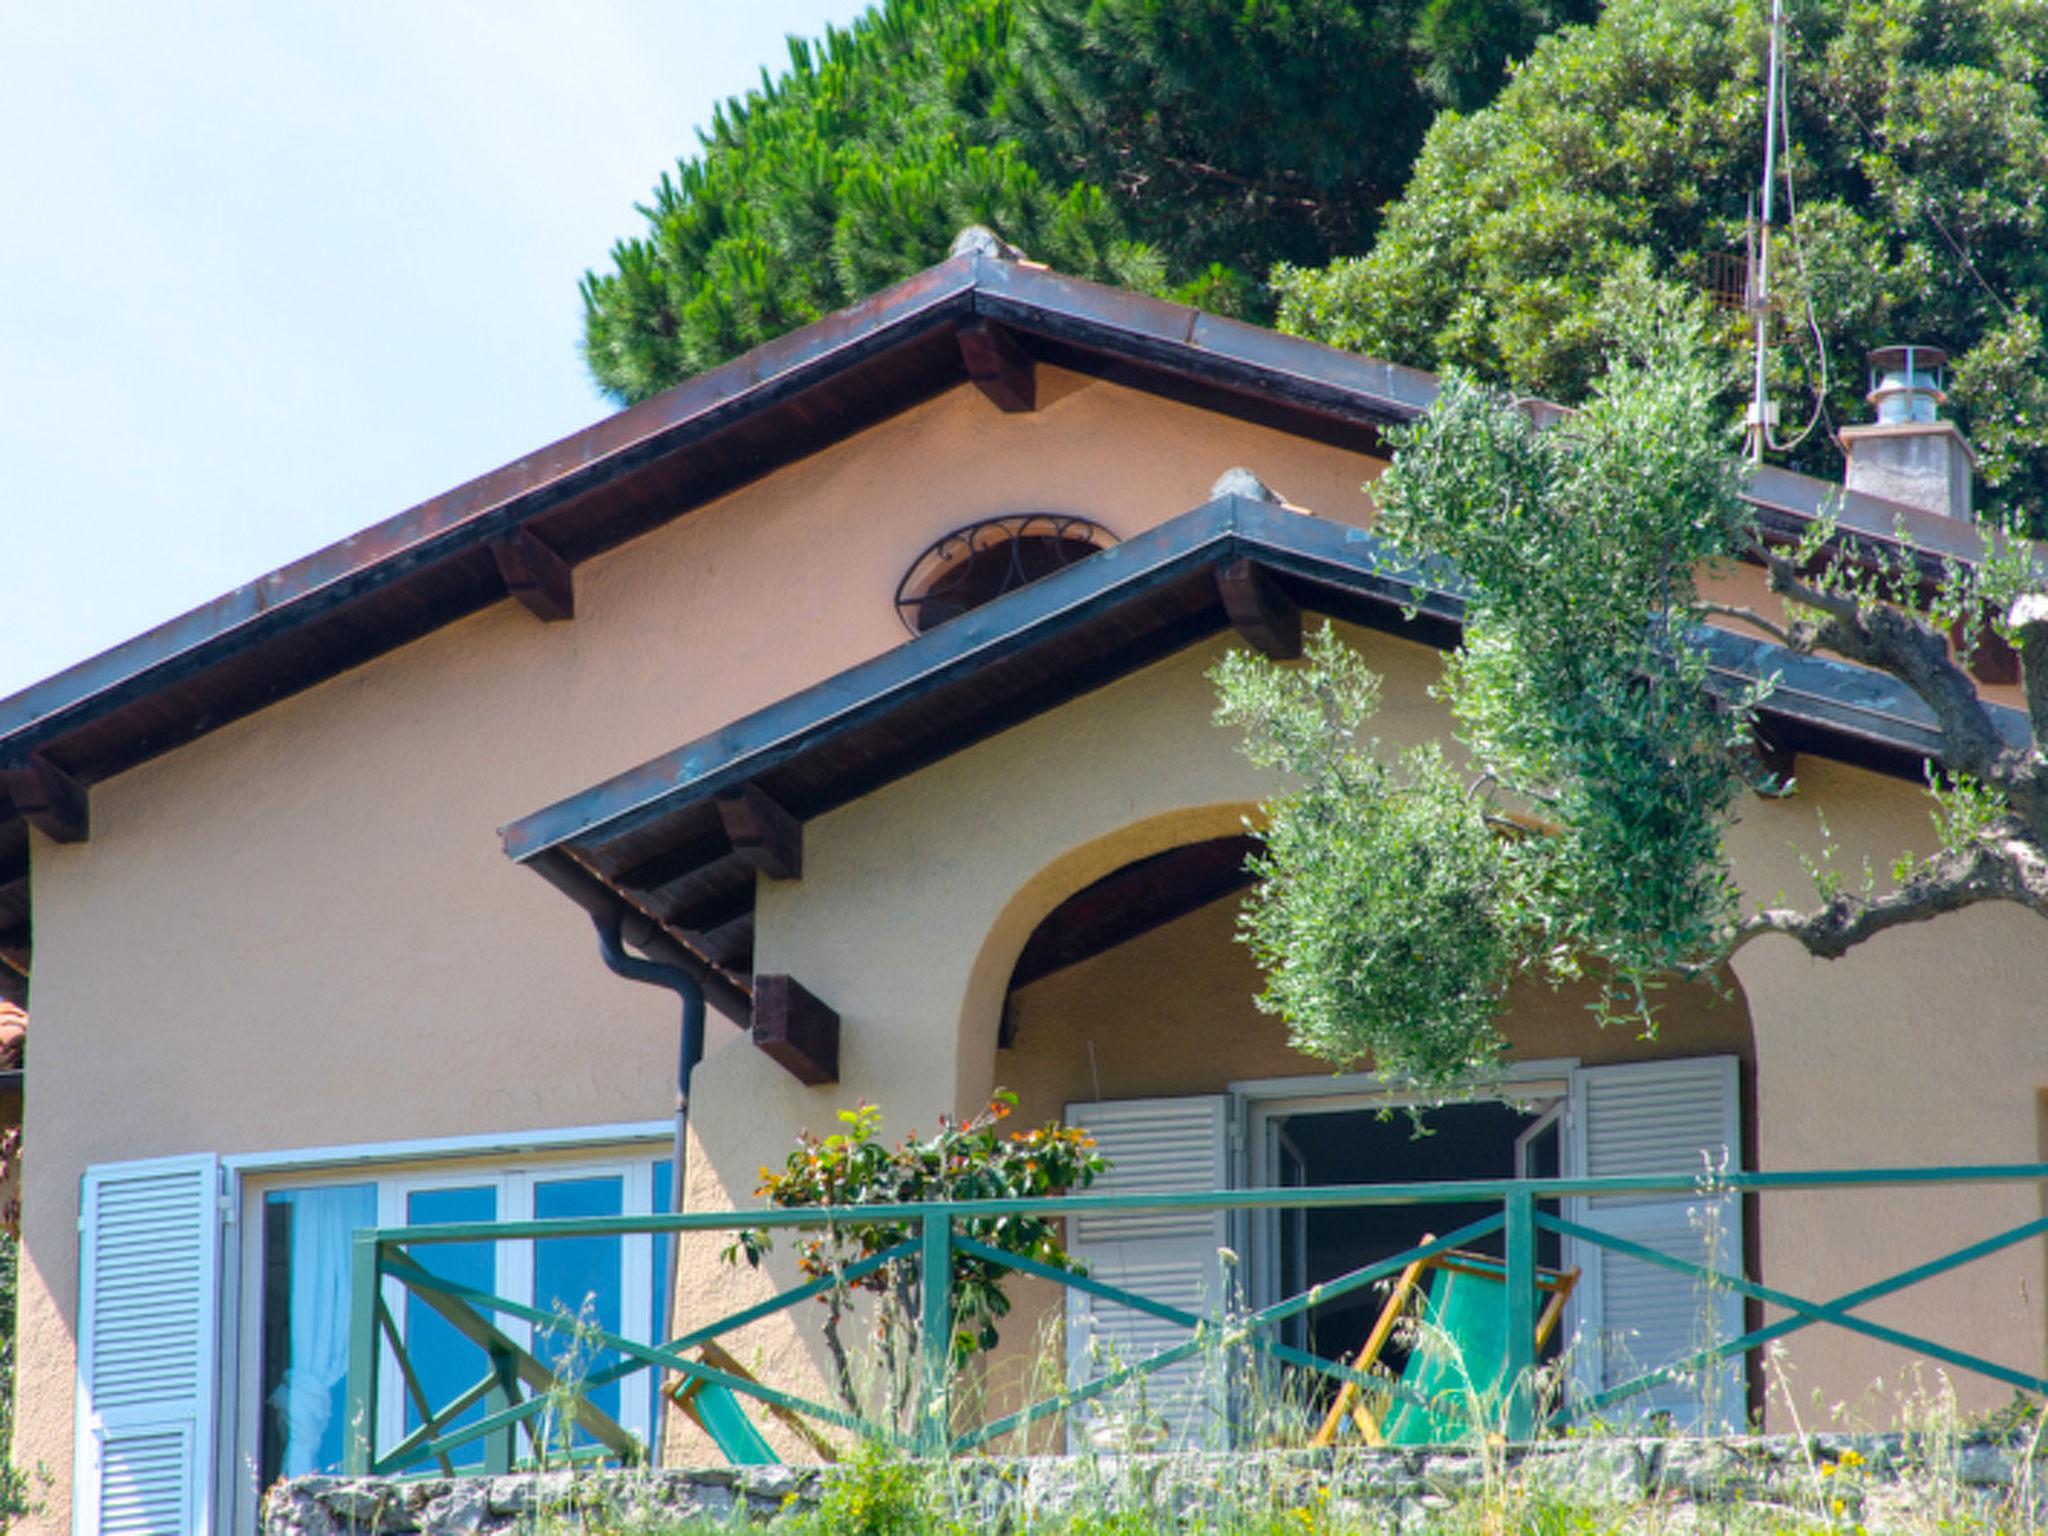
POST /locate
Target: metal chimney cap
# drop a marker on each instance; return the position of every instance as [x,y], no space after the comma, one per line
[1906,384]
[1900,359]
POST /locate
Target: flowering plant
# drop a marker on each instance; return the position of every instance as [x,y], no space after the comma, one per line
[970,1159]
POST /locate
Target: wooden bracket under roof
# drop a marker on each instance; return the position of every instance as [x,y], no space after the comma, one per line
[48,798]
[1267,618]
[800,1033]
[542,580]
[762,832]
[999,366]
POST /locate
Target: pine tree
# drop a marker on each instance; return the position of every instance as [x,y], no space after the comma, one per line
[1181,149]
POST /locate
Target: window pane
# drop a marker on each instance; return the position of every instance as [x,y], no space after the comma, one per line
[306,1248]
[446,1363]
[580,1280]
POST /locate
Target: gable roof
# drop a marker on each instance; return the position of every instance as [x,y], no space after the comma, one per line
[523,527]
[653,842]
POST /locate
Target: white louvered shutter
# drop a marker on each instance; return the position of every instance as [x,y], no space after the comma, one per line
[1628,1317]
[149,1267]
[1154,1146]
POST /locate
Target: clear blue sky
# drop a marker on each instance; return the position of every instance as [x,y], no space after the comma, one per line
[272,270]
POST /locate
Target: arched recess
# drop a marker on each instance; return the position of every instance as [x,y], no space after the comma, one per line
[988,986]
[1167,1012]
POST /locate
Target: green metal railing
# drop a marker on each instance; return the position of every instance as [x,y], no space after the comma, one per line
[519,1388]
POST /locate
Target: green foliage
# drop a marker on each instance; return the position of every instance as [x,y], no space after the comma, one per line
[14,1483]
[1380,916]
[1921,145]
[875,1493]
[1244,134]
[965,1160]
[853,169]
[1398,899]
[1179,149]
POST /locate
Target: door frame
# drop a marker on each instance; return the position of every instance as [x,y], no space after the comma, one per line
[1257,1105]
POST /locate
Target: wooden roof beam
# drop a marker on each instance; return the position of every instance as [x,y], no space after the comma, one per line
[763,833]
[674,863]
[1267,618]
[48,798]
[999,366]
[797,1031]
[714,913]
[542,580]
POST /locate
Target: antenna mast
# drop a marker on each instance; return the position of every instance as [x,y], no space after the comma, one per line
[1761,412]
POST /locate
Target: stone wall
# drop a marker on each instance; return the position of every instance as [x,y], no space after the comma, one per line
[1882,1482]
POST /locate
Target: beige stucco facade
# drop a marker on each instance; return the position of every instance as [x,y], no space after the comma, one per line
[300,930]
[1922,1047]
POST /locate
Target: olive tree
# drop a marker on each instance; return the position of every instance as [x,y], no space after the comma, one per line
[1582,835]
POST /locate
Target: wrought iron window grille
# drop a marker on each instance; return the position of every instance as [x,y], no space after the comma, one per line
[979,562]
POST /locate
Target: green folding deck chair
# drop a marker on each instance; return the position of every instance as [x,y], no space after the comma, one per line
[1459,1363]
[722,1414]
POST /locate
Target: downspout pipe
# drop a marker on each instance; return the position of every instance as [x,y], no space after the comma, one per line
[689,1051]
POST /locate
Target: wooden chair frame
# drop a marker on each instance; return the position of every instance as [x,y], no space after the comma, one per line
[683,1393]
[1556,1284]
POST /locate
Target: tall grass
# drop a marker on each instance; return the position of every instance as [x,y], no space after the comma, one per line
[1122,1480]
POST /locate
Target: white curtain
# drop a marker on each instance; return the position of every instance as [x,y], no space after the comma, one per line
[308,1399]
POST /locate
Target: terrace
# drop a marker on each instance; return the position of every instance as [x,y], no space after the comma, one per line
[502,1419]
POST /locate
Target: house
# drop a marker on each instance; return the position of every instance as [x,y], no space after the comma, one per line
[312,871]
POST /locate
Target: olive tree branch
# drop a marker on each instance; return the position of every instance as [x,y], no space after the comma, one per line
[1892,641]
[2028,621]
[2005,863]
[1787,637]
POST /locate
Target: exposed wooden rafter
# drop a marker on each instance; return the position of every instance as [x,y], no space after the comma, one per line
[1994,662]
[999,366]
[1774,754]
[797,1030]
[674,863]
[718,912]
[1267,618]
[48,798]
[542,580]
[763,833]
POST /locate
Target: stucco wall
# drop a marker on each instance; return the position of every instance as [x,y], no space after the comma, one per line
[1925,1046]
[300,930]
[1922,1048]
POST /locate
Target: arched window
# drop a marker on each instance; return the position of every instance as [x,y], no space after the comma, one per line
[980,562]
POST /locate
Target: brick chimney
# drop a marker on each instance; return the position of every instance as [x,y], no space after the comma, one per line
[1910,454]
